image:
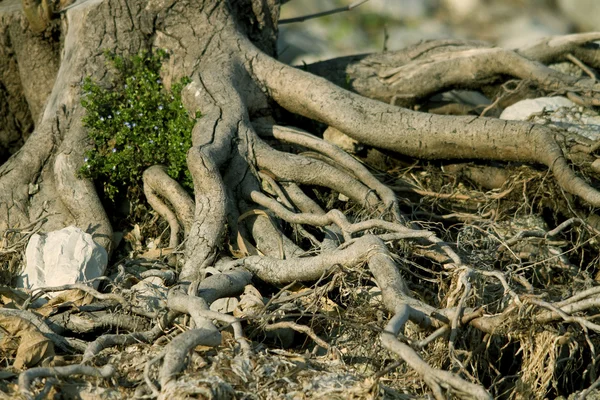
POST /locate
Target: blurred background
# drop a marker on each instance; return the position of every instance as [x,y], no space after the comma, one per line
[394,24]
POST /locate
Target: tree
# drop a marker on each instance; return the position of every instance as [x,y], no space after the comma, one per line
[238,165]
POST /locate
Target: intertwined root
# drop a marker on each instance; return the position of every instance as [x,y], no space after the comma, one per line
[292,208]
[363,241]
[420,135]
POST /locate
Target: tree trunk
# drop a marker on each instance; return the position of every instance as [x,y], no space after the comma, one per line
[227,48]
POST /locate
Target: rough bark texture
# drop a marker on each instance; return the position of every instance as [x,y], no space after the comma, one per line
[250,174]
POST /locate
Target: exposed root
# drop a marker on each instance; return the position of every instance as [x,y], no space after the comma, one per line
[27,377]
[108,340]
[158,184]
[209,217]
[435,379]
[304,170]
[59,341]
[482,280]
[403,77]
[343,159]
[419,134]
[298,328]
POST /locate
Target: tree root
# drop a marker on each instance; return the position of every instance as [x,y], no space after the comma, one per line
[59,341]
[27,377]
[394,290]
[92,321]
[158,184]
[304,170]
[204,331]
[108,340]
[436,379]
[340,157]
[419,134]
[247,190]
[403,77]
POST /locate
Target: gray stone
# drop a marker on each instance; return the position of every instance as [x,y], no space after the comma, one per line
[399,9]
[583,13]
[526,29]
[568,68]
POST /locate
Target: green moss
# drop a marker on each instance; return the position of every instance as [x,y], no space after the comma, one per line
[134,124]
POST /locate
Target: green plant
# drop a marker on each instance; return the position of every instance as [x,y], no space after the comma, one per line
[135,123]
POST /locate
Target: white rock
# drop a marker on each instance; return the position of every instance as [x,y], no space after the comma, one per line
[62,257]
[558,111]
[523,109]
[590,120]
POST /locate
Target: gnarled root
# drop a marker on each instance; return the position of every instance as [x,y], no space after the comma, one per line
[158,186]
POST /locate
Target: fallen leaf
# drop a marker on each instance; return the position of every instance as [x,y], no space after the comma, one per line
[24,341]
[65,300]
[156,253]
[9,295]
[251,303]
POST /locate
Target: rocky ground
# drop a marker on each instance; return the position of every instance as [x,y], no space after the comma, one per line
[396,24]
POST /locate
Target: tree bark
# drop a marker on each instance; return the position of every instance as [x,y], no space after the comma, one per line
[227,48]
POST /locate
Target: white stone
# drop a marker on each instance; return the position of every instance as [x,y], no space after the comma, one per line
[558,111]
[62,257]
[591,120]
[522,110]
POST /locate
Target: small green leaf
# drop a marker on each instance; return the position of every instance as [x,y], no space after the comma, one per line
[135,123]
